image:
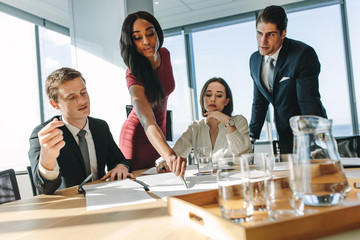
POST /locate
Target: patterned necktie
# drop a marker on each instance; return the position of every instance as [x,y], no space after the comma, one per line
[84,150]
[270,73]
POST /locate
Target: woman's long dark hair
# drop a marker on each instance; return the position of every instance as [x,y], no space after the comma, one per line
[139,65]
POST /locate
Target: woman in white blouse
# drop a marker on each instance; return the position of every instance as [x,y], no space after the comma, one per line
[227,135]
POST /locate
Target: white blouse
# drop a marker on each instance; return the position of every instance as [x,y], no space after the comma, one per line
[226,145]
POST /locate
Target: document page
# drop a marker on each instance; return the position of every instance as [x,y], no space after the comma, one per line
[114,194]
[350,162]
[167,184]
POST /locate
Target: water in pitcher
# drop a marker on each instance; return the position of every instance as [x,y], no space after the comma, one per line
[328,185]
[323,179]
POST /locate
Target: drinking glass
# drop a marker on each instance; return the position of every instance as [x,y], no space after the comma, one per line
[235,196]
[282,188]
[204,163]
[260,166]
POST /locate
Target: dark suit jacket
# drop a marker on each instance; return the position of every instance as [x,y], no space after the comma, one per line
[70,160]
[297,95]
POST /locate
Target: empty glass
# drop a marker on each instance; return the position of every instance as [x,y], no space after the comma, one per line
[281,187]
[260,166]
[235,196]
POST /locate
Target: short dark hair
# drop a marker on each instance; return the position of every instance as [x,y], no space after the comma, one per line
[139,65]
[57,78]
[273,14]
[228,109]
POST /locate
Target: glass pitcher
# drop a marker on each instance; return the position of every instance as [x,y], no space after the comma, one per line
[324,181]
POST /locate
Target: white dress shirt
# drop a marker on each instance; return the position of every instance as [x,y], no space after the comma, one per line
[226,145]
[265,67]
[52,175]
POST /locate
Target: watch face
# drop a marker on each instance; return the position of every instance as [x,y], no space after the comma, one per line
[230,123]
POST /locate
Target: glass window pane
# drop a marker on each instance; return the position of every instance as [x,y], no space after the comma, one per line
[55,52]
[19,96]
[225,52]
[179,100]
[312,27]
[353,8]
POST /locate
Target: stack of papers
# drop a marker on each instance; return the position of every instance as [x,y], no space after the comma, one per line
[350,162]
[128,192]
[114,194]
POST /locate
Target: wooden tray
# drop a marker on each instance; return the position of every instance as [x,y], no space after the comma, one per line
[201,211]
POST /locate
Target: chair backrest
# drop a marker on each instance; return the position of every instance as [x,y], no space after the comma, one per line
[28,168]
[275,147]
[348,146]
[169,129]
[9,189]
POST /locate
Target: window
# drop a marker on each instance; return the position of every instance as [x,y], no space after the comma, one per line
[353,8]
[179,100]
[19,85]
[55,52]
[225,52]
[321,28]
[19,96]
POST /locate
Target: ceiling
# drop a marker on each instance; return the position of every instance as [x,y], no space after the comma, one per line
[170,13]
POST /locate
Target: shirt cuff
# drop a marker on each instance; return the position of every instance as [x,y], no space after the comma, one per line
[233,136]
[47,174]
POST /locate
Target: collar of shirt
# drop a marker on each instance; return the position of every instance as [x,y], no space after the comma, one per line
[274,56]
[74,130]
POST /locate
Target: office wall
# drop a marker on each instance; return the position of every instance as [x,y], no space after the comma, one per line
[95,29]
[132,6]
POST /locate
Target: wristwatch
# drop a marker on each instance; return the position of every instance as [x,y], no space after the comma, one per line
[230,123]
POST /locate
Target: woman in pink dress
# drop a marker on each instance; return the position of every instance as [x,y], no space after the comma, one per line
[150,81]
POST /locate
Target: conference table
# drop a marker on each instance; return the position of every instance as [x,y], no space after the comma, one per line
[64,216]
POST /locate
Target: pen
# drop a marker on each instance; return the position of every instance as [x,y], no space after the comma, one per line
[146,187]
[184,182]
[80,187]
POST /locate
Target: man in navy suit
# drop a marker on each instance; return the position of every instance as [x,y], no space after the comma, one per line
[56,159]
[285,74]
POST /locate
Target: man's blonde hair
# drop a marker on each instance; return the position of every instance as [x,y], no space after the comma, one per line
[58,77]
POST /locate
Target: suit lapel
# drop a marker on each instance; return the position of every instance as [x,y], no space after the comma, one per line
[280,61]
[72,144]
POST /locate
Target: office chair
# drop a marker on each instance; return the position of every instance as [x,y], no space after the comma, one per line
[28,168]
[275,147]
[348,146]
[169,130]
[9,189]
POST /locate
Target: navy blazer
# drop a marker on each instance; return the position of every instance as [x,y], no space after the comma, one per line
[295,90]
[70,160]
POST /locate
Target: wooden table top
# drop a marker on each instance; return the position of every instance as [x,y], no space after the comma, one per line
[64,216]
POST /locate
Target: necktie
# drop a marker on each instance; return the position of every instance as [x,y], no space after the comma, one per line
[84,150]
[270,73]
